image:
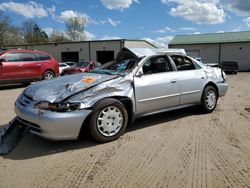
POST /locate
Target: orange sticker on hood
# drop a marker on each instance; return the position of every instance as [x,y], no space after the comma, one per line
[88,80]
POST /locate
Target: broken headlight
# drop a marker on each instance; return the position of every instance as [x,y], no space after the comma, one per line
[59,107]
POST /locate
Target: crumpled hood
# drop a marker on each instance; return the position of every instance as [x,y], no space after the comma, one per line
[58,89]
[214,73]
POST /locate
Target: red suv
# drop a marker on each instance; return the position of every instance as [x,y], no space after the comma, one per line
[24,66]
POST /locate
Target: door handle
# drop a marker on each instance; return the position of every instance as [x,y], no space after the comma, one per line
[202,77]
[173,81]
[19,65]
[39,65]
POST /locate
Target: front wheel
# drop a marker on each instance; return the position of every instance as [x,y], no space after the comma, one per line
[209,99]
[48,75]
[108,120]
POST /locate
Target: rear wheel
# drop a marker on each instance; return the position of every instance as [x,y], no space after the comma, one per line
[209,99]
[48,75]
[108,120]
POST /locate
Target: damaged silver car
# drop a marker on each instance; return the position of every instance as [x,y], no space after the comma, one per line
[138,82]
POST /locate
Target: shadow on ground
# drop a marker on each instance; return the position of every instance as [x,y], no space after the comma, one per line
[32,146]
[12,86]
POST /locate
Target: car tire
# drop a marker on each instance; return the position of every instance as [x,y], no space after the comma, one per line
[209,99]
[108,120]
[47,75]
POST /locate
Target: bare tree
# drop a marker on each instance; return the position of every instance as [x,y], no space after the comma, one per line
[9,34]
[75,28]
[33,34]
[13,36]
[57,36]
[28,27]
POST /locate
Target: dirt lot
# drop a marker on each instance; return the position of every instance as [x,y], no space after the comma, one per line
[177,149]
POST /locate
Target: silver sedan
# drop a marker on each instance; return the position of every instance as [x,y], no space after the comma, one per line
[138,82]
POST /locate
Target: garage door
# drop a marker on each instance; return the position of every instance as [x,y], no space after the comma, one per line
[193,53]
[105,56]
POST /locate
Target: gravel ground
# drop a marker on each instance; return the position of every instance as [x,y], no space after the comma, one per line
[183,148]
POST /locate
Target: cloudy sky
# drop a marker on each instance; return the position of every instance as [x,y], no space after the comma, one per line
[155,20]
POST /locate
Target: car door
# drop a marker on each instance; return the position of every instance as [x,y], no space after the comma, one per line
[11,66]
[156,86]
[31,65]
[191,78]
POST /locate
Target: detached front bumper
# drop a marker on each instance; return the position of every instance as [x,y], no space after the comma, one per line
[48,124]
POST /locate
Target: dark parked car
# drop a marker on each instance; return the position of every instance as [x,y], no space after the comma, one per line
[24,66]
[229,67]
[82,66]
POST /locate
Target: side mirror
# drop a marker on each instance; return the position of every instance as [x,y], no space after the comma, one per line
[3,60]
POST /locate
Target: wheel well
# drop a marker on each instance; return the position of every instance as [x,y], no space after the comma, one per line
[214,85]
[127,102]
[46,71]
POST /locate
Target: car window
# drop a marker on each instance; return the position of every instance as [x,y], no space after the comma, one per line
[12,57]
[183,63]
[81,64]
[42,57]
[28,56]
[62,65]
[157,65]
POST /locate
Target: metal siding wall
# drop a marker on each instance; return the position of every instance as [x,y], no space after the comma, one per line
[137,44]
[232,52]
[87,50]
[104,46]
[55,50]
[208,52]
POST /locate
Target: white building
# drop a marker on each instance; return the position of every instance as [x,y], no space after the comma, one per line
[98,50]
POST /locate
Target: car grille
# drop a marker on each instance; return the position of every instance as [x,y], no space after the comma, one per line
[24,100]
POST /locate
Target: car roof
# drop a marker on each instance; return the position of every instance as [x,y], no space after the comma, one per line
[25,50]
[141,52]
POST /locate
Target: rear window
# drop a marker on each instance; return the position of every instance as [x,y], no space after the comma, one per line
[184,63]
[42,57]
[28,57]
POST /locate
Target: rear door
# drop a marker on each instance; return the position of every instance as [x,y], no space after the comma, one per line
[191,77]
[11,69]
[31,66]
[156,87]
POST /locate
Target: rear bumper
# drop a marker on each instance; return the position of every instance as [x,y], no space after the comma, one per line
[223,87]
[52,125]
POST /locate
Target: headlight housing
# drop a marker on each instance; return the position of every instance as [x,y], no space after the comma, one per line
[59,107]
